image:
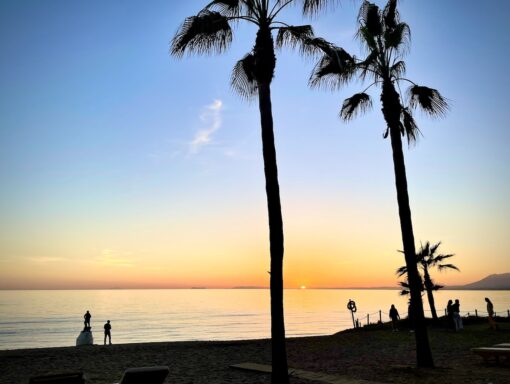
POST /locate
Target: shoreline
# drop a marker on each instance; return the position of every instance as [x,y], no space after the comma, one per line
[374,353]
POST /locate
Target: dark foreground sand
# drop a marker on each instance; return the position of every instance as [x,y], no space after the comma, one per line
[375,354]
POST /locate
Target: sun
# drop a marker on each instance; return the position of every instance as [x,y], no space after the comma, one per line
[302,287]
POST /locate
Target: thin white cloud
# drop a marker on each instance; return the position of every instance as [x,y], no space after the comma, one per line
[212,118]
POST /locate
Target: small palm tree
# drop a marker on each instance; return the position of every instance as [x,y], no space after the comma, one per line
[385,39]
[210,31]
[427,259]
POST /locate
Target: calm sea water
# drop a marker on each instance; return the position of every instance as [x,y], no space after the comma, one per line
[33,319]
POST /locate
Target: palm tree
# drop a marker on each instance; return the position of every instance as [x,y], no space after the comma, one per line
[210,31]
[427,259]
[385,39]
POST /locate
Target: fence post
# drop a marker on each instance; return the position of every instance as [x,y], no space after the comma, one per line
[476,312]
[380,317]
[445,312]
[508,311]
[368,318]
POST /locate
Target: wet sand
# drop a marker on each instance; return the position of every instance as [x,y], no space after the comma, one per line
[374,354]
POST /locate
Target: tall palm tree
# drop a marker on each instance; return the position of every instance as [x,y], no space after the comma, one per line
[385,39]
[427,259]
[210,31]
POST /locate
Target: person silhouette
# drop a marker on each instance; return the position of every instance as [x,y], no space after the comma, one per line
[456,316]
[87,317]
[449,313]
[107,332]
[490,313]
[394,317]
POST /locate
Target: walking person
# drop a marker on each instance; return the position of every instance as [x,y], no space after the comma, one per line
[456,316]
[108,332]
[490,312]
[86,318]
[394,316]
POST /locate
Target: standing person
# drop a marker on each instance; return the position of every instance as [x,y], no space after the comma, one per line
[87,317]
[449,315]
[456,316]
[490,312]
[107,332]
[394,316]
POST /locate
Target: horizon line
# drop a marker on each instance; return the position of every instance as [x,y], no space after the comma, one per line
[456,288]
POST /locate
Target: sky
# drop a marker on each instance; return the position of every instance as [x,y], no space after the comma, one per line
[124,167]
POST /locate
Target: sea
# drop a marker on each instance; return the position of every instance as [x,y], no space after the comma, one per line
[53,318]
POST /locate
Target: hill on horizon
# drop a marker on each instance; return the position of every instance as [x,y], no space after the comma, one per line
[492,282]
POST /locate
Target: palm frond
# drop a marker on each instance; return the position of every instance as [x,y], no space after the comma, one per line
[296,36]
[434,248]
[425,249]
[318,45]
[447,266]
[440,258]
[333,70]
[410,129]
[401,271]
[243,80]
[366,38]
[358,103]
[437,287]
[429,99]
[370,17]
[405,288]
[390,14]
[230,8]
[251,8]
[312,7]
[208,32]
[398,36]
[369,66]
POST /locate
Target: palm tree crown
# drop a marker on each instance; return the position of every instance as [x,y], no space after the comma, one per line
[428,259]
[386,40]
[211,31]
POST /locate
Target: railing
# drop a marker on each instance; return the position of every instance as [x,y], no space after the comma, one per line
[379,314]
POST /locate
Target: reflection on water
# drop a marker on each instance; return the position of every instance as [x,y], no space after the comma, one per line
[55,318]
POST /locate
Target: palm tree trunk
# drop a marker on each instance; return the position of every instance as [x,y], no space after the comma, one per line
[279,352]
[391,109]
[430,294]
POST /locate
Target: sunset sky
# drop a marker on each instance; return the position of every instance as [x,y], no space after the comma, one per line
[123,167]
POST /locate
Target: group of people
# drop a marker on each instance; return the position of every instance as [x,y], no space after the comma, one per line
[107,327]
[453,315]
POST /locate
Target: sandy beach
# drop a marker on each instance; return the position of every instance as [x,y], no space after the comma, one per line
[374,354]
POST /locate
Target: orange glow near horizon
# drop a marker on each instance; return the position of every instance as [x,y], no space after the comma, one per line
[320,253]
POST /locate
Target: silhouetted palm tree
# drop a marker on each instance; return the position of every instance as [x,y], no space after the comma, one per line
[385,38]
[427,259]
[211,31]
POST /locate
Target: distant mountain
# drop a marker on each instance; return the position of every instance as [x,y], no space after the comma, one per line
[496,281]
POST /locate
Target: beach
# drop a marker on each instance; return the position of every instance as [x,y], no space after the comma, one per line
[374,354]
